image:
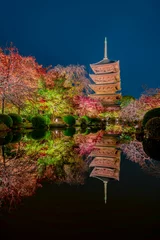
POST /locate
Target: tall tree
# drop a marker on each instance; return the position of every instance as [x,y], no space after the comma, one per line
[58,88]
[18,76]
[75,78]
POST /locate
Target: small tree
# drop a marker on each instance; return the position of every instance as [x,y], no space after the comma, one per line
[125,100]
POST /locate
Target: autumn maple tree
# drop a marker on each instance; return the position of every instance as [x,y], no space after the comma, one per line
[18,77]
[87,106]
[137,108]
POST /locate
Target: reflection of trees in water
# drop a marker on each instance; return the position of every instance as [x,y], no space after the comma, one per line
[17,177]
[70,173]
[57,159]
[134,152]
[23,166]
[86,143]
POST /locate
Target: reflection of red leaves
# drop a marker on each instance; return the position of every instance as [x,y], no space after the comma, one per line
[18,180]
[87,142]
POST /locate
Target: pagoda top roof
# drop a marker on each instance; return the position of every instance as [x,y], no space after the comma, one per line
[104,61]
[104,179]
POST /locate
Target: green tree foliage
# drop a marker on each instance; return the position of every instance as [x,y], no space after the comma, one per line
[38,134]
[56,158]
[17,136]
[17,119]
[125,100]
[6,119]
[39,122]
[52,102]
[70,120]
[70,131]
[7,139]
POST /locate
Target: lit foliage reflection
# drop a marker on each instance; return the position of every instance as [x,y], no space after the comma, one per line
[18,175]
[134,151]
[25,165]
[56,157]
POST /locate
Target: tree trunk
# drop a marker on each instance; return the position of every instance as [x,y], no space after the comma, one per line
[19,110]
[3,156]
[3,105]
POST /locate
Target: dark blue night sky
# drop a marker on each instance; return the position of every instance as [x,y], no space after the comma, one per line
[72,32]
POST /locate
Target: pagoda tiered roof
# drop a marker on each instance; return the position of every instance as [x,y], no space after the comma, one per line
[105,162]
[110,99]
[104,61]
[105,151]
[104,67]
[105,172]
[109,141]
[103,78]
[105,88]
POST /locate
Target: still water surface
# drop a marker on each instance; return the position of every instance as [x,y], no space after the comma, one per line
[83,205]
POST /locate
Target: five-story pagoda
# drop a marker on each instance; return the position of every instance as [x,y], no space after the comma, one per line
[106,80]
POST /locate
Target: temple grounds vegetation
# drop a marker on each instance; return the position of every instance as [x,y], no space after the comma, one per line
[35,100]
[38,97]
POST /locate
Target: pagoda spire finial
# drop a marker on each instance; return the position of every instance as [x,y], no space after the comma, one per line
[105,48]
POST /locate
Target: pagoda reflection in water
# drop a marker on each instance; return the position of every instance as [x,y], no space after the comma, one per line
[106,161]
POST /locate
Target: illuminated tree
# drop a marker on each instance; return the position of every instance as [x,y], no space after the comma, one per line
[125,100]
[18,77]
[75,78]
[137,108]
[135,153]
[58,87]
[134,111]
[87,106]
[150,101]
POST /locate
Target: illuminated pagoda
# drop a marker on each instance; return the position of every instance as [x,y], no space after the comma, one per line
[106,80]
[106,161]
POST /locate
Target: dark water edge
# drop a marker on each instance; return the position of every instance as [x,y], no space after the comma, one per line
[63,211]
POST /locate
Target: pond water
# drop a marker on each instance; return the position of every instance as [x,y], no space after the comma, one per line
[85,185]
